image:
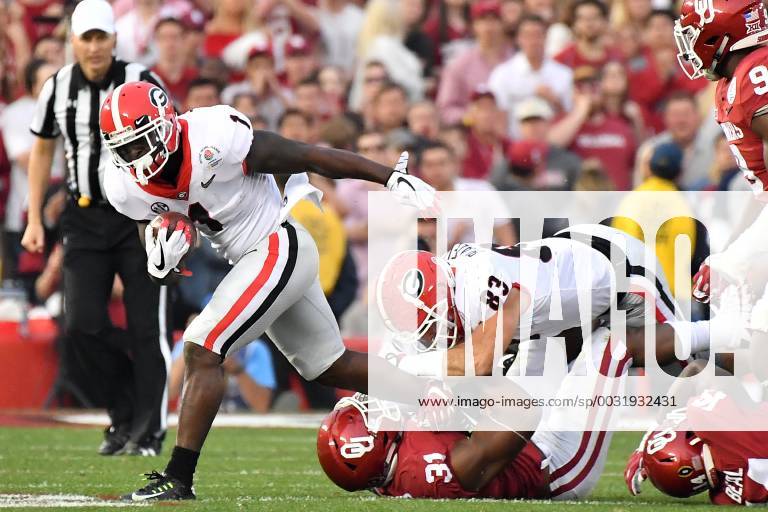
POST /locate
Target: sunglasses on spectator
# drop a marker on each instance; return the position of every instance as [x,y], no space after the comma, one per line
[375,79]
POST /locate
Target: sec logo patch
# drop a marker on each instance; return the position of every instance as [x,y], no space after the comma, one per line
[159,207]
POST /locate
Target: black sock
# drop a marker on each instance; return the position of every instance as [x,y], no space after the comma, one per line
[182,464]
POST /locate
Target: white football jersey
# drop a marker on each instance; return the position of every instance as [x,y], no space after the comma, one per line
[233,209]
[551,272]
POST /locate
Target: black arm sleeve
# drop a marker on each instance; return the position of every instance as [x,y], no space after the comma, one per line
[273,154]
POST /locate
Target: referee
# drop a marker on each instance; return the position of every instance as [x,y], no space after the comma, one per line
[99,242]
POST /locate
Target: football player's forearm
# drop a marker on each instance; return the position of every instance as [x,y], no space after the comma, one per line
[272,153]
[40,162]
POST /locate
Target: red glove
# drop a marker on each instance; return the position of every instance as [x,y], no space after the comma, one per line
[701,283]
[634,473]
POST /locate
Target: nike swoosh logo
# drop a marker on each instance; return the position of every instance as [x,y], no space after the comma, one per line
[142,497]
[205,184]
[403,180]
[161,266]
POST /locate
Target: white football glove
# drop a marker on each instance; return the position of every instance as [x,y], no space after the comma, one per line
[410,190]
[165,253]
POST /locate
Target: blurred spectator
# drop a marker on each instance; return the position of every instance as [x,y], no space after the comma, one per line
[724,168]
[559,168]
[683,126]
[669,212]
[416,40]
[558,34]
[472,67]
[439,167]
[597,127]
[340,22]
[390,108]
[51,50]
[15,50]
[18,140]
[300,61]
[381,39]
[135,30]
[511,12]
[171,65]
[40,17]
[455,137]
[261,80]
[374,77]
[448,27]
[531,73]
[247,104]
[591,47]
[353,195]
[630,12]
[202,92]
[295,125]
[592,178]
[250,373]
[284,18]
[333,85]
[215,70]
[339,132]
[231,19]
[654,73]
[308,98]
[486,141]
[423,121]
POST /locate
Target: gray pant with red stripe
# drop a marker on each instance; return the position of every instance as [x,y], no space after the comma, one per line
[275,289]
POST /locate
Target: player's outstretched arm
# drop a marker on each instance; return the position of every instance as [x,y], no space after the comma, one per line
[480,458]
[271,153]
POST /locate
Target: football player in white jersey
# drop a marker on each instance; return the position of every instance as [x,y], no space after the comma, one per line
[210,165]
[584,270]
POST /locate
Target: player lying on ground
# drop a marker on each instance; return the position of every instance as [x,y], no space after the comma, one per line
[465,290]
[705,447]
[357,454]
[724,40]
[210,165]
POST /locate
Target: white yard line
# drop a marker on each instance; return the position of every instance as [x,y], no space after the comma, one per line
[56,501]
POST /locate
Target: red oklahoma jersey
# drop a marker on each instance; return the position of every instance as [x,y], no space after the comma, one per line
[424,471]
[738,101]
[740,458]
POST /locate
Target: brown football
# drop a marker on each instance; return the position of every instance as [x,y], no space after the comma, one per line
[172,219]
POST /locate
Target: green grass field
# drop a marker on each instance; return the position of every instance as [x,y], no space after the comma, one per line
[259,469]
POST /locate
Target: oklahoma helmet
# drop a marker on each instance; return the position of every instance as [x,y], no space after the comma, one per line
[138,123]
[414,297]
[708,30]
[352,450]
[675,462]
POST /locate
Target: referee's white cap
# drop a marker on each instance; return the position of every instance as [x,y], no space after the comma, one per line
[93,15]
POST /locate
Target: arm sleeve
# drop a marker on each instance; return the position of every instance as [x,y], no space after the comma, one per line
[44,121]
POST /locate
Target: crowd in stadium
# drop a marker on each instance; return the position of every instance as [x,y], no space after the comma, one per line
[485,94]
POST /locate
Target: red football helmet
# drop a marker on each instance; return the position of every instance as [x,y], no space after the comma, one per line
[415,298]
[708,30]
[352,451]
[675,462]
[138,123]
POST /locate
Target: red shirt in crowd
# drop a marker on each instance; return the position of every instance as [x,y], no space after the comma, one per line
[571,57]
[481,157]
[177,89]
[611,140]
[214,44]
[649,90]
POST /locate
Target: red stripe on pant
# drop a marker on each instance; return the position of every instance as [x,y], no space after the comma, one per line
[273,251]
[598,444]
[604,364]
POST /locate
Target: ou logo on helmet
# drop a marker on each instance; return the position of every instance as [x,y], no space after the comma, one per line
[158,98]
[705,10]
[356,447]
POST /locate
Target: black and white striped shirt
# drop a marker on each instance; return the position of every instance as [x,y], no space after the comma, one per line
[69,105]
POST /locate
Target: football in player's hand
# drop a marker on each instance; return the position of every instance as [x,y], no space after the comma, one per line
[173,221]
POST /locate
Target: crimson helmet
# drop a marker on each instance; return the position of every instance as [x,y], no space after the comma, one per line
[352,450]
[708,30]
[675,461]
[415,298]
[138,123]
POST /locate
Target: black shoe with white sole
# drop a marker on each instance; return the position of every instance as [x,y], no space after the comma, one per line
[148,446]
[162,488]
[114,441]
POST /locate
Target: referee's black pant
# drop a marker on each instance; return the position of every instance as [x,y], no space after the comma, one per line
[130,367]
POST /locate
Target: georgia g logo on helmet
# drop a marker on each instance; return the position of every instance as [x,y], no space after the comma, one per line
[413,283]
[157,97]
